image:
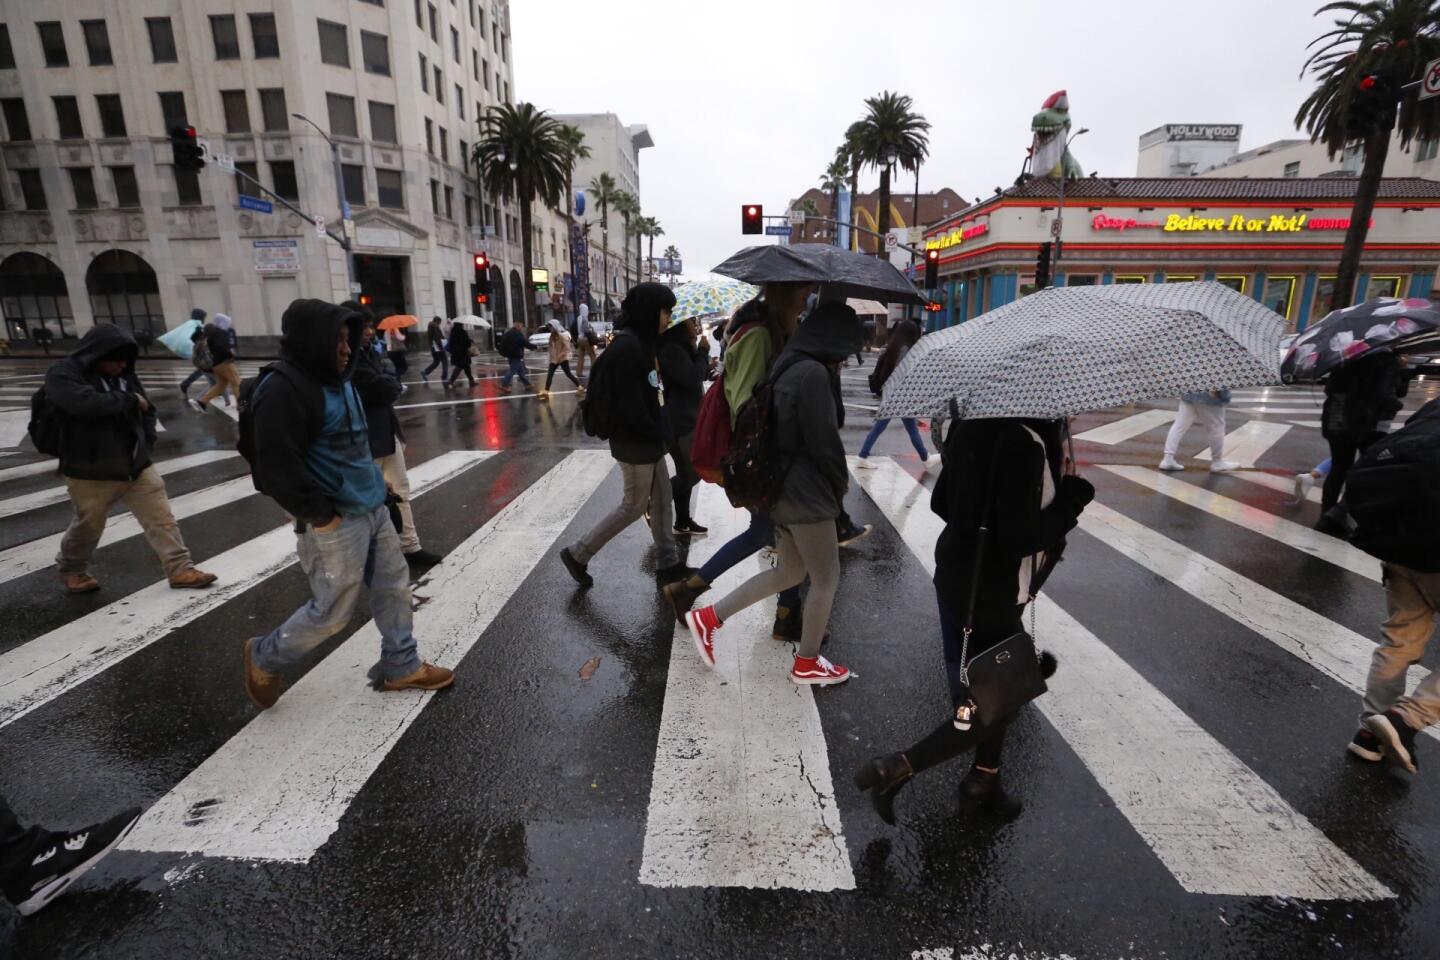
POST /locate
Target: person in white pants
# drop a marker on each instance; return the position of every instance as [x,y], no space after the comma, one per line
[1208,407]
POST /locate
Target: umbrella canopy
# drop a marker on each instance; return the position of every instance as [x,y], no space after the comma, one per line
[397,321]
[699,297]
[177,341]
[1057,353]
[470,320]
[845,273]
[866,308]
[1358,331]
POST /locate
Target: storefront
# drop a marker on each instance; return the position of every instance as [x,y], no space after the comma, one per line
[1277,240]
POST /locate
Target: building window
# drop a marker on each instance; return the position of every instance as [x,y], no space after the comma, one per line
[434,25]
[1427,149]
[374,3]
[342,115]
[449,202]
[112,116]
[497,83]
[67,118]
[459,101]
[237,111]
[424,75]
[127,190]
[353,174]
[187,187]
[452,308]
[334,43]
[430,136]
[1234,281]
[1082,280]
[82,183]
[263,36]
[162,39]
[419,16]
[250,169]
[469,210]
[282,179]
[485,73]
[382,122]
[375,52]
[475,64]
[32,190]
[479,111]
[7,53]
[481,15]
[390,187]
[444,145]
[172,110]
[97,43]
[52,43]
[455,44]
[439,86]
[507,91]
[272,108]
[1292,169]
[33,295]
[464,155]
[435,197]
[1382,287]
[226,37]
[123,291]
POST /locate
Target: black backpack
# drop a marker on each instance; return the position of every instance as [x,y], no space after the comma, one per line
[599,403]
[245,404]
[751,473]
[47,424]
[1393,494]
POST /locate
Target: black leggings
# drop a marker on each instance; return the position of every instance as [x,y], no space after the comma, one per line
[457,365]
[564,367]
[685,478]
[1342,457]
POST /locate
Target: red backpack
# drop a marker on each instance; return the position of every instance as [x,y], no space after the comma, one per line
[712,426]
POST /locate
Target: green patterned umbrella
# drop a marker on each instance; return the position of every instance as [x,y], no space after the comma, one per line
[700,297]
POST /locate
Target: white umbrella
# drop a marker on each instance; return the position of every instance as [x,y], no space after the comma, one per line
[470,320]
[866,308]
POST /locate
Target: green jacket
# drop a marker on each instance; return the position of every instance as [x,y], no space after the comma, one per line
[748,360]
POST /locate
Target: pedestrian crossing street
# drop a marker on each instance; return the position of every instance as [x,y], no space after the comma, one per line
[744,790]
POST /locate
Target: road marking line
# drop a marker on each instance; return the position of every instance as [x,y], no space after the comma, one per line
[1280,484]
[1307,541]
[1317,424]
[1249,442]
[741,794]
[48,465]
[1211,820]
[53,495]
[278,789]
[1244,408]
[1127,428]
[473,400]
[14,427]
[42,669]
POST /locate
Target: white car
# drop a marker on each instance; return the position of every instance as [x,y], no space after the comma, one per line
[540,341]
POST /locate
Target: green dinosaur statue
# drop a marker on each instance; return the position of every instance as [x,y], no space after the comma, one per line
[1049,153]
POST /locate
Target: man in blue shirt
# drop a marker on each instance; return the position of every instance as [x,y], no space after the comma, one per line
[312,456]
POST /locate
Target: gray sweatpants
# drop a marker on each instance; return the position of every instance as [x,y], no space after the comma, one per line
[645,484]
[805,549]
[1412,600]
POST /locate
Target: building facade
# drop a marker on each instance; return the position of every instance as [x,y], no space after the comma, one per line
[933,208]
[99,225]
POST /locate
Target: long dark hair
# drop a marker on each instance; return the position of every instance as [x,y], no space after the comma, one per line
[902,338]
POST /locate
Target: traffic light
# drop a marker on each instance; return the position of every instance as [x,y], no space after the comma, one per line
[1042,266]
[366,299]
[752,218]
[482,273]
[933,306]
[932,269]
[188,153]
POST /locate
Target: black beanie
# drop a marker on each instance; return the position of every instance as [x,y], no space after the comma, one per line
[641,308]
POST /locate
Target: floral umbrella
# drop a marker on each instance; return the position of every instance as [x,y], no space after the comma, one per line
[1345,335]
[699,297]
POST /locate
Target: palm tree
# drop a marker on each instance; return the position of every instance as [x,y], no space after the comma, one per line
[851,149]
[1360,67]
[672,252]
[603,189]
[520,155]
[650,227]
[628,207]
[889,133]
[833,180]
[572,139]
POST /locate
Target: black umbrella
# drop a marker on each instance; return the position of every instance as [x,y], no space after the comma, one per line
[1375,326]
[844,273]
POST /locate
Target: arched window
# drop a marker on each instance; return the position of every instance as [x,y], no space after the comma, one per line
[33,295]
[517,297]
[123,291]
[497,299]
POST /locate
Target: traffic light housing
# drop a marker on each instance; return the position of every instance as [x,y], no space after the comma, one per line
[932,269]
[482,274]
[1042,266]
[185,144]
[752,218]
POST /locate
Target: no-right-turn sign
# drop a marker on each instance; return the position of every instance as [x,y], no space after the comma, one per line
[1430,82]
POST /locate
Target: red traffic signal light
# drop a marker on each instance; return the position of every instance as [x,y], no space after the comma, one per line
[185,144]
[481,299]
[482,261]
[366,299]
[932,269]
[752,218]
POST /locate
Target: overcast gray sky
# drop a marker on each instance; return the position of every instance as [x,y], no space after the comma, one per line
[747,99]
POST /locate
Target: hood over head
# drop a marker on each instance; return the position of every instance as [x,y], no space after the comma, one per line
[105,341]
[640,311]
[555,326]
[222,321]
[308,334]
[197,314]
[830,334]
[584,312]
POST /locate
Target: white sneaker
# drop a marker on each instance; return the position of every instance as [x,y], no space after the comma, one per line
[932,463]
[1170,463]
[863,463]
[1223,466]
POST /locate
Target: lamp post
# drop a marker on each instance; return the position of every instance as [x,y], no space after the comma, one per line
[1060,216]
[340,196]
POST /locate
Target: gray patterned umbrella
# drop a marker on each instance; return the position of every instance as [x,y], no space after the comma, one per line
[1061,352]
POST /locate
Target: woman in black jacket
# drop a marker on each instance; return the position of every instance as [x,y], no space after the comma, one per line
[1022,468]
[682,371]
[459,354]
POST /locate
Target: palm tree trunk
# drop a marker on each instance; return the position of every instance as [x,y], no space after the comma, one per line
[835,212]
[652,248]
[883,218]
[605,260]
[854,217]
[1377,145]
[639,261]
[527,261]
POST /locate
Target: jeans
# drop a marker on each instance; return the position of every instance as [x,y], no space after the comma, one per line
[806,549]
[360,551]
[195,374]
[645,483]
[910,428]
[1209,414]
[517,369]
[757,536]
[392,468]
[1412,600]
[438,358]
[146,500]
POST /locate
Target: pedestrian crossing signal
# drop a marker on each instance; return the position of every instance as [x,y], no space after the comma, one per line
[752,217]
[1042,266]
[933,307]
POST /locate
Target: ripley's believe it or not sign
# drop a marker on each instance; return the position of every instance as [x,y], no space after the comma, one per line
[1234,223]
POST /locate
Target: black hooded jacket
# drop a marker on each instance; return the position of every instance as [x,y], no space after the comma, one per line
[459,344]
[637,433]
[378,391]
[289,408]
[682,371]
[105,436]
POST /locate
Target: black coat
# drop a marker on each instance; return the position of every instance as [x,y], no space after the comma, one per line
[682,370]
[222,348]
[637,433]
[459,344]
[378,392]
[105,436]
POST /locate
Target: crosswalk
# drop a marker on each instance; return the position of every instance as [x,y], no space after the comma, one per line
[743,789]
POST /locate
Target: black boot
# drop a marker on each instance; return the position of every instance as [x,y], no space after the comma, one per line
[883,777]
[675,573]
[682,595]
[981,791]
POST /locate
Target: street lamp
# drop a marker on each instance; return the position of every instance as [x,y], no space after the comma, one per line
[1060,216]
[340,196]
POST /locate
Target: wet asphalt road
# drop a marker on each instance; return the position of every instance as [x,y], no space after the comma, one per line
[510,819]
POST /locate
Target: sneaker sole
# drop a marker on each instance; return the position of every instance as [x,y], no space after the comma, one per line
[54,888]
[1175,469]
[819,681]
[706,657]
[390,688]
[865,532]
[1389,738]
[1372,756]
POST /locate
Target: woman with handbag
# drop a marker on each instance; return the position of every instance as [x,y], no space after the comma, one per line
[1008,495]
[461,349]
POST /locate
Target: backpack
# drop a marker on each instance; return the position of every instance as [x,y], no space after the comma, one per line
[47,424]
[512,345]
[750,471]
[245,405]
[1393,493]
[712,428]
[599,403]
[200,356]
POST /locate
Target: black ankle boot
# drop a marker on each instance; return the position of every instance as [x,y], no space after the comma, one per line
[983,792]
[682,595]
[883,777]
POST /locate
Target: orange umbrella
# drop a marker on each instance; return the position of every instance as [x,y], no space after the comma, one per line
[397,321]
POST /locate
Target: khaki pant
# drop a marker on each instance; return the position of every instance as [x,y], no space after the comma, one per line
[583,349]
[227,377]
[1411,598]
[395,474]
[144,497]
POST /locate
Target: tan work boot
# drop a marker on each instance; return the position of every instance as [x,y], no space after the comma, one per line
[191,577]
[262,688]
[428,677]
[682,595]
[79,582]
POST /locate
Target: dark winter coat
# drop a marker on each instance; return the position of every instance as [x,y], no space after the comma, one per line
[459,344]
[378,390]
[1361,394]
[512,344]
[105,436]
[222,349]
[682,371]
[436,334]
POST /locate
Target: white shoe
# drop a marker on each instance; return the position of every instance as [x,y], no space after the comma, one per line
[1170,463]
[1304,483]
[932,463]
[863,463]
[1223,466]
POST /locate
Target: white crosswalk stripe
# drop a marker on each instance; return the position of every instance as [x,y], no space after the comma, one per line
[53,495]
[1249,442]
[1127,428]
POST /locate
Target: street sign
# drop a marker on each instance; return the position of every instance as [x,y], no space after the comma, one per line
[320,227]
[797,218]
[1055,228]
[777,230]
[891,241]
[276,256]
[224,161]
[350,230]
[256,204]
[1430,80]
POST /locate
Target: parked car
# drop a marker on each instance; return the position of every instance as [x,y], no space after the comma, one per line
[540,341]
